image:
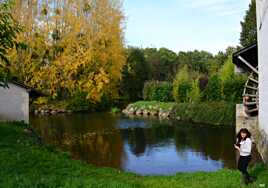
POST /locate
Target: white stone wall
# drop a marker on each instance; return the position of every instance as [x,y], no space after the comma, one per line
[262,17]
[14,104]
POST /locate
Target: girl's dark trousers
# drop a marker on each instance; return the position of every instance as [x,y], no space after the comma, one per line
[243,165]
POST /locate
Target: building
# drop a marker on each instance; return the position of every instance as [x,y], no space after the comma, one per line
[14,102]
[253,113]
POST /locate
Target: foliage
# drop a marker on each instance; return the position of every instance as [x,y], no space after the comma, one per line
[195,94]
[158,91]
[198,61]
[135,73]
[9,29]
[70,46]
[41,101]
[233,88]
[148,105]
[232,84]
[215,113]
[79,102]
[227,71]
[163,63]
[181,86]
[213,91]
[115,110]
[248,35]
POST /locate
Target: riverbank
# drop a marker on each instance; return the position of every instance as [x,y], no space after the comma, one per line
[25,163]
[216,113]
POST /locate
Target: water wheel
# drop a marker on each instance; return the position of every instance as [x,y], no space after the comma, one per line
[251,95]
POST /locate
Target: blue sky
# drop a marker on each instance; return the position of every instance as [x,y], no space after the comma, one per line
[183,25]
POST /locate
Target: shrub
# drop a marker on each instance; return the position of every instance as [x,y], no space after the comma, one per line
[182,86]
[233,88]
[216,113]
[158,91]
[194,95]
[79,102]
[41,101]
[213,91]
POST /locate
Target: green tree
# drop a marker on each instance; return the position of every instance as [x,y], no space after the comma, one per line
[158,91]
[227,71]
[135,73]
[163,63]
[213,90]
[248,34]
[8,31]
[182,85]
[194,94]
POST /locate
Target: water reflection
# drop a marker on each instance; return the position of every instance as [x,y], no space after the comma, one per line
[138,145]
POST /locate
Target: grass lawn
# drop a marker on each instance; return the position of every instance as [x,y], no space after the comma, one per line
[25,163]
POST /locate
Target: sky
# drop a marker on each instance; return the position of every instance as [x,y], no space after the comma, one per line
[184,25]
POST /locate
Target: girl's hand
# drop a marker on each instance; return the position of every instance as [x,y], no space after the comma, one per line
[236,147]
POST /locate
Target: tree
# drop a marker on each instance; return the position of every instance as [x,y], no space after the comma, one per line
[213,90]
[227,72]
[71,46]
[182,86]
[8,32]
[248,35]
[135,73]
[196,60]
[194,94]
[163,63]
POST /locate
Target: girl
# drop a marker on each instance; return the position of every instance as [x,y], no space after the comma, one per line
[244,145]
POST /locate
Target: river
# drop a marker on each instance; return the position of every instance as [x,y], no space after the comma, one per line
[142,146]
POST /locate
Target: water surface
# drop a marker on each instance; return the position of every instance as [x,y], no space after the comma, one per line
[142,146]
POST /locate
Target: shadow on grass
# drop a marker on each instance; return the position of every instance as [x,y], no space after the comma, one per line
[257,170]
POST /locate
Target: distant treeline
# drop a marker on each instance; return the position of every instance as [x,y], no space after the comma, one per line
[183,77]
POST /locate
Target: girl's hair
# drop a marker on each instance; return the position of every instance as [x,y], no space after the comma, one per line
[244,130]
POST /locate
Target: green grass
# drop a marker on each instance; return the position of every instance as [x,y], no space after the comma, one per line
[26,164]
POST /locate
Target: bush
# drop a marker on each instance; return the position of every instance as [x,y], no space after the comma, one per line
[213,91]
[158,91]
[194,95]
[41,101]
[216,113]
[79,102]
[233,88]
[182,86]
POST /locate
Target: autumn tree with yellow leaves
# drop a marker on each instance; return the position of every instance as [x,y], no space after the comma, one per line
[70,46]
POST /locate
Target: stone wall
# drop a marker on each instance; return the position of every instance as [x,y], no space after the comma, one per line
[14,104]
[259,137]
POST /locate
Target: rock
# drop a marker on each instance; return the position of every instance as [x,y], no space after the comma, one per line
[146,113]
[53,112]
[139,112]
[154,113]
[131,111]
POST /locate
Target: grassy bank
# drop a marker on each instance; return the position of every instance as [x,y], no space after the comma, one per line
[24,163]
[216,113]
[148,105]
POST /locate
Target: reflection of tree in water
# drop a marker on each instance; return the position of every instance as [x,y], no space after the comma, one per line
[214,143]
[210,143]
[139,139]
[102,147]
[96,140]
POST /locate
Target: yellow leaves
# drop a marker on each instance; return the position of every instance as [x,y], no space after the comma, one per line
[87,53]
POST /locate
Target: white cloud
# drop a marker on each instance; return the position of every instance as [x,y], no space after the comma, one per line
[217,7]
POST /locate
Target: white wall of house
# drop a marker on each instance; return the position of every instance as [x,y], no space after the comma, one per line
[14,104]
[262,20]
